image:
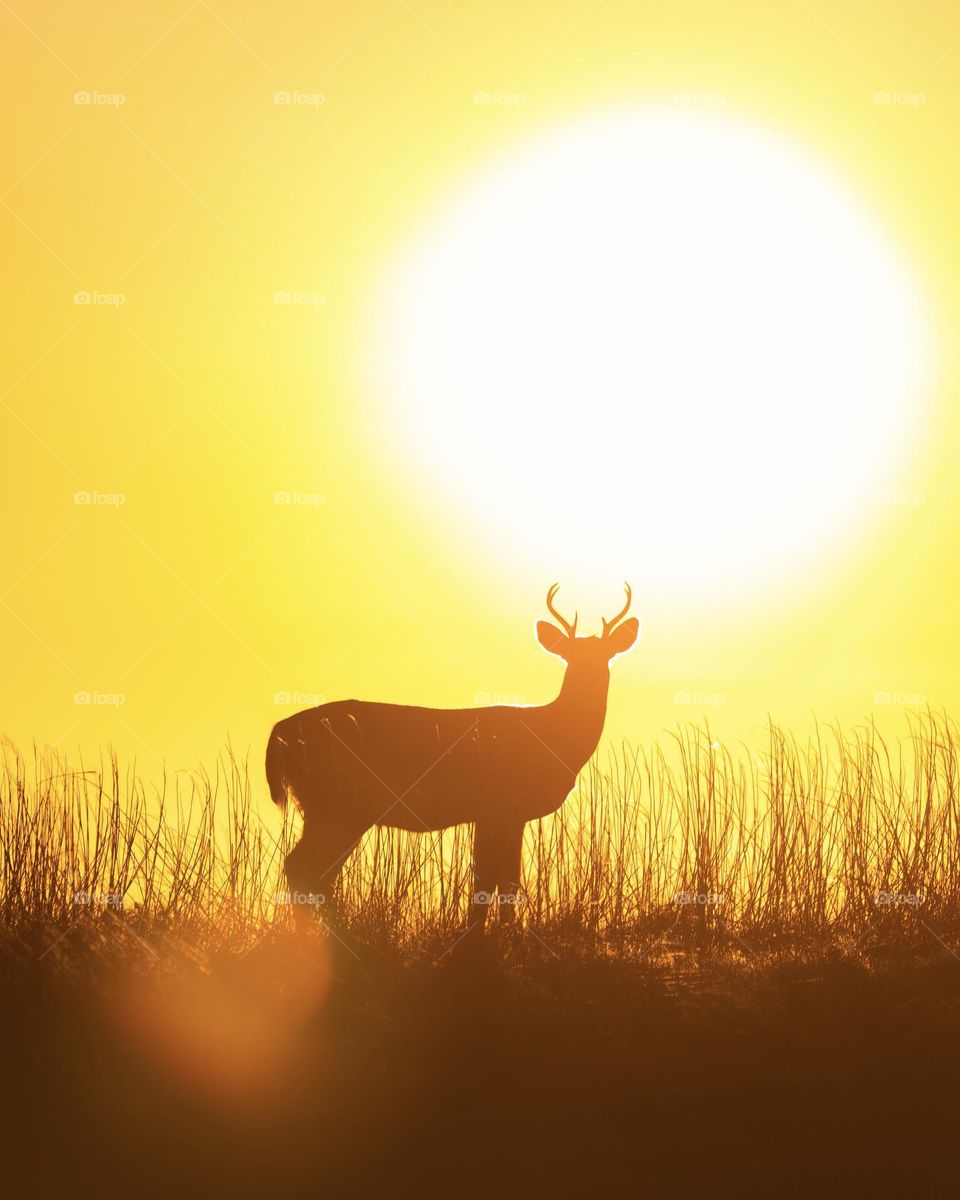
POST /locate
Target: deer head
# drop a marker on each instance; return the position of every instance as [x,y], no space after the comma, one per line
[615,639]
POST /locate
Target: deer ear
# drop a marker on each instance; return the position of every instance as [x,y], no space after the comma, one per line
[623,637]
[551,639]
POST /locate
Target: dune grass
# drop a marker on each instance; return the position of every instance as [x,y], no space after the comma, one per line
[840,843]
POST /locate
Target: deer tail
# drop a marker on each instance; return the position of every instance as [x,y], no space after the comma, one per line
[276,776]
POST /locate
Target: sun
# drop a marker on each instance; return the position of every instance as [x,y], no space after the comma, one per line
[656,344]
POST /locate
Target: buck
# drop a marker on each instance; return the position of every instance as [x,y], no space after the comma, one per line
[352,765]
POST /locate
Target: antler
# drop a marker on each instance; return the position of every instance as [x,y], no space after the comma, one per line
[608,626]
[569,630]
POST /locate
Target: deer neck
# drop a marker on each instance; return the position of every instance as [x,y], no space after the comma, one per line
[580,710]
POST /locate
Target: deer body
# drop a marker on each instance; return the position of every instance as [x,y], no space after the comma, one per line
[353,764]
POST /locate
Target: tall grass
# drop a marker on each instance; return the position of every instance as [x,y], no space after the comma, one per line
[837,842]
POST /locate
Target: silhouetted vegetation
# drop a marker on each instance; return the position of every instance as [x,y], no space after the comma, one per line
[841,843]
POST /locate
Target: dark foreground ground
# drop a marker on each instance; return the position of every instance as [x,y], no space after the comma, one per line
[134,1067]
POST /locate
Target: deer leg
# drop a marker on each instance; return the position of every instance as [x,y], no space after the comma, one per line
[303,877]
[497,849]
[485,854]
[509,854]
[313,867]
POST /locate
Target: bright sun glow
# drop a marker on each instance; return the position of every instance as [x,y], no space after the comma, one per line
[660,345]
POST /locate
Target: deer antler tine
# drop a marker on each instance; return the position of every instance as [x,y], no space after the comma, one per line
[569,630]
[608,626]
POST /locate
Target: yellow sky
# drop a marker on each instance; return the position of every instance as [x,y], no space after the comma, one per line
[182,197]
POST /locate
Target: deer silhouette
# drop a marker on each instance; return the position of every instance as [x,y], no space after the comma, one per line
[352,765]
